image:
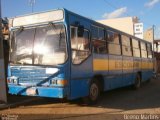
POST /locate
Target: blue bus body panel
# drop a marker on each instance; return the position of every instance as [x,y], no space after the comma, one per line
[80,73]
[128,75]
[40,91]
[35,77]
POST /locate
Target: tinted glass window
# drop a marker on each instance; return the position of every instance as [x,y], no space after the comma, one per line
[144,53]
[149,54]
[94,32]
[126,45]
[101,33]
[125,40]
[114,49]
[149,50]
[143,50]
[80,46]
[99,46]
[127,50]
[113,41]
[149,47]
[135,43]
[143,46]
[112,37]
[97,33]
[136,52]
[136,48]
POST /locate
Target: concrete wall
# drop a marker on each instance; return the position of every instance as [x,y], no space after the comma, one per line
[148,35]
[124,24]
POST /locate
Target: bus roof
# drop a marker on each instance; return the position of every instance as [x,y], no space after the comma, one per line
[105,26]
[37,18]
[56,15]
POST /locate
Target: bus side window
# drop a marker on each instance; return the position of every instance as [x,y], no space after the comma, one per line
[98,40]
[99,46]
[136,48]
[113,41]
[149,50]
[126,45]
[97,32]
[143,50]
[80,45]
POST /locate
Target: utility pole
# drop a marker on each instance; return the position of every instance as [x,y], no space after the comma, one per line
[3,91]
[32,3]
[153,29]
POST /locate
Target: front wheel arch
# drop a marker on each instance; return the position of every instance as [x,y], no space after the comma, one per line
[94,92]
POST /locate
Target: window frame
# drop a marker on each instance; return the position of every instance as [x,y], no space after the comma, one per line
[113,43]
[150,50]
[127,46]
[90,48]
[100,40]
[143,50]
[136,48]
[35,27]
[98,30]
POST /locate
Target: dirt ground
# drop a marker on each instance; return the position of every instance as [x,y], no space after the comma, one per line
[124,103]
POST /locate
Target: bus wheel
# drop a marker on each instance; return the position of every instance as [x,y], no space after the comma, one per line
[137,83]
[94,92]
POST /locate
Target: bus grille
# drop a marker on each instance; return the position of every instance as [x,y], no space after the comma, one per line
[30,75]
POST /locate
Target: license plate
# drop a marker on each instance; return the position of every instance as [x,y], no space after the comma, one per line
[31,91]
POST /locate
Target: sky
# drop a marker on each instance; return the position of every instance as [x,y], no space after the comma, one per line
[148,11]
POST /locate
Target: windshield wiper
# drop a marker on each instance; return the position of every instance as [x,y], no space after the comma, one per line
[19,30]
[17,62]
[53,26]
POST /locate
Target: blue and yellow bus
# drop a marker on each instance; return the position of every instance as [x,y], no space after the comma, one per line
[60,54]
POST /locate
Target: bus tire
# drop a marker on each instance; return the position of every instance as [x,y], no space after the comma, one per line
[137,83]
[94,93]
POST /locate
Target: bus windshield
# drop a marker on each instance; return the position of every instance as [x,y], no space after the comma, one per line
[43,45]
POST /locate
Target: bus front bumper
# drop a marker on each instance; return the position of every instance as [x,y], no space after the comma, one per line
[53,92]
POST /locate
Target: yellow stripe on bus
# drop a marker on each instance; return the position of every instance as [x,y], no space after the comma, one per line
[102,65]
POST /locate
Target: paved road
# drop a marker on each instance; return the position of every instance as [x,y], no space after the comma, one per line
[115,104]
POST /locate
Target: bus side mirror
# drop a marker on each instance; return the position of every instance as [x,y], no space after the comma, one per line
[80,30]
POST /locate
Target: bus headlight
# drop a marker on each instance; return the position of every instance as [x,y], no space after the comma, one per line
[53,82]
[62,82]
[13,80]
[59,82]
